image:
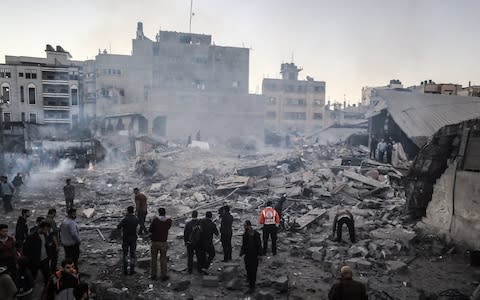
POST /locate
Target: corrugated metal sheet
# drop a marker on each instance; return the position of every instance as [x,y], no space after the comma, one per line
[421,115]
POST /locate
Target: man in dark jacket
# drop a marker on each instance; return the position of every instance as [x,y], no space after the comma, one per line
[207,249]
[192,228]
[36,250]
[279,208]
[252,250]
[21,229]
[226,232]
[159,230]
[129,225]
[8,252]
[141,208]
[63,283]
[55,237]
[347,288]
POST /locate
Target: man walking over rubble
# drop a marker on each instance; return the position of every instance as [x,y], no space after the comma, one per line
[207,252]
[270,219]
[159,230]
[21,228]
[70,236]
[36,250]
[344,216]
[226,232]
[7,190]
[141,208]
[252,251]
[347,288]
[129,225]
[191,237]
[69,193]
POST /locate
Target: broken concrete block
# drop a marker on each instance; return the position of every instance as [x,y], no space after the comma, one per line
[281,284]
[209,281]
[310,251]
[359,264]
[234,284]
[181,286]
[228,273]
[396,266]
[199,197]
[398,234]
[318,256]
[357,251]
[88,212]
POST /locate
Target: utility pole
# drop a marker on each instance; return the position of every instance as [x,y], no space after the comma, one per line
[191,15]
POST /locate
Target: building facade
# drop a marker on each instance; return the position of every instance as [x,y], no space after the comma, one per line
[176,85]
[46,91]
[369,92]
[293,104]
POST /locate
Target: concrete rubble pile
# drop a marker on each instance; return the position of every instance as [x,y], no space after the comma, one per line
[317,180]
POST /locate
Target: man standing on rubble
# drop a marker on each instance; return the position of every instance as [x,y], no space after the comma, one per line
[55,238]
[36,250]
[226,232]
[21,229]
[344,216]
[129,225]
[70,236]
[207,249]
[17,182]
[270,219]
[191,237]
[141,208]
[279,209]
[69,193]
[373,146]
[252,249]
[381,148]
[347,288]
[159,229]
[7,190]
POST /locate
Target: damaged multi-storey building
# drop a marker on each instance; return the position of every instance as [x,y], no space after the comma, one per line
[176,86]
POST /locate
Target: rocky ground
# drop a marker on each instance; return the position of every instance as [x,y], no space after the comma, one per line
[395,260]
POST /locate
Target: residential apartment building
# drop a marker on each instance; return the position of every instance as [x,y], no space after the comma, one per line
[430,87]
[293,104]
[175,85]
[44,91]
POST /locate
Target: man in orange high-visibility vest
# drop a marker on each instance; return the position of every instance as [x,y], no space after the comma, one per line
[270,220]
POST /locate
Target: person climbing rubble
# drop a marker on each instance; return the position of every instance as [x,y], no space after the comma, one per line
[226,232]
[159,229]
[141,209]
[69,193]
[270,220]
[252,251]
[343,216]
[191,238]
[129,226]
[347,288]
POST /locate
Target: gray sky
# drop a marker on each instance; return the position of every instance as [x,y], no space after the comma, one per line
[348,44]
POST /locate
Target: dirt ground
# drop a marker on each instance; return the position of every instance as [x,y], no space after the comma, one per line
[432,268]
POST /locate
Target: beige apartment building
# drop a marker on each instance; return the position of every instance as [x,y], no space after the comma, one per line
[293,104]
[44,91]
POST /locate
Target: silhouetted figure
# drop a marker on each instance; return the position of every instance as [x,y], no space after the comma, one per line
[251,250]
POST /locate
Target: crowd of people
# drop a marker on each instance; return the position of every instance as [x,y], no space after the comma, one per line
[36,250]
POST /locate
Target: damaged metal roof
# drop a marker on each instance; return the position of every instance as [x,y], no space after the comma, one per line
[421,115]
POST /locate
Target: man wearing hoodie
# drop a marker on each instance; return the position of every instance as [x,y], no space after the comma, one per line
[70,236]
[159,230]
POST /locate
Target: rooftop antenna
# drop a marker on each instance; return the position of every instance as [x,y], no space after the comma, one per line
[191,15]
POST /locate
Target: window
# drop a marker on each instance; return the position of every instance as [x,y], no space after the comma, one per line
[318,102]
[20,74]
[28,75]
[271,101]
[33,118]
[75,120]
[296,102]
[7,117]
[22,94]
[23,117]
[6,92]
[271,114]
[289,88]
[5,73]
[74,96]
[31,95]
[34,74]
[317,116]
[294,115]
[319,89]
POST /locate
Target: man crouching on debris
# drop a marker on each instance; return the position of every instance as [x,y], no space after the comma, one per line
[270,219]
[129,225]
[252,249]
[347,288]
[159,230]
[344,216]
[141,208]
